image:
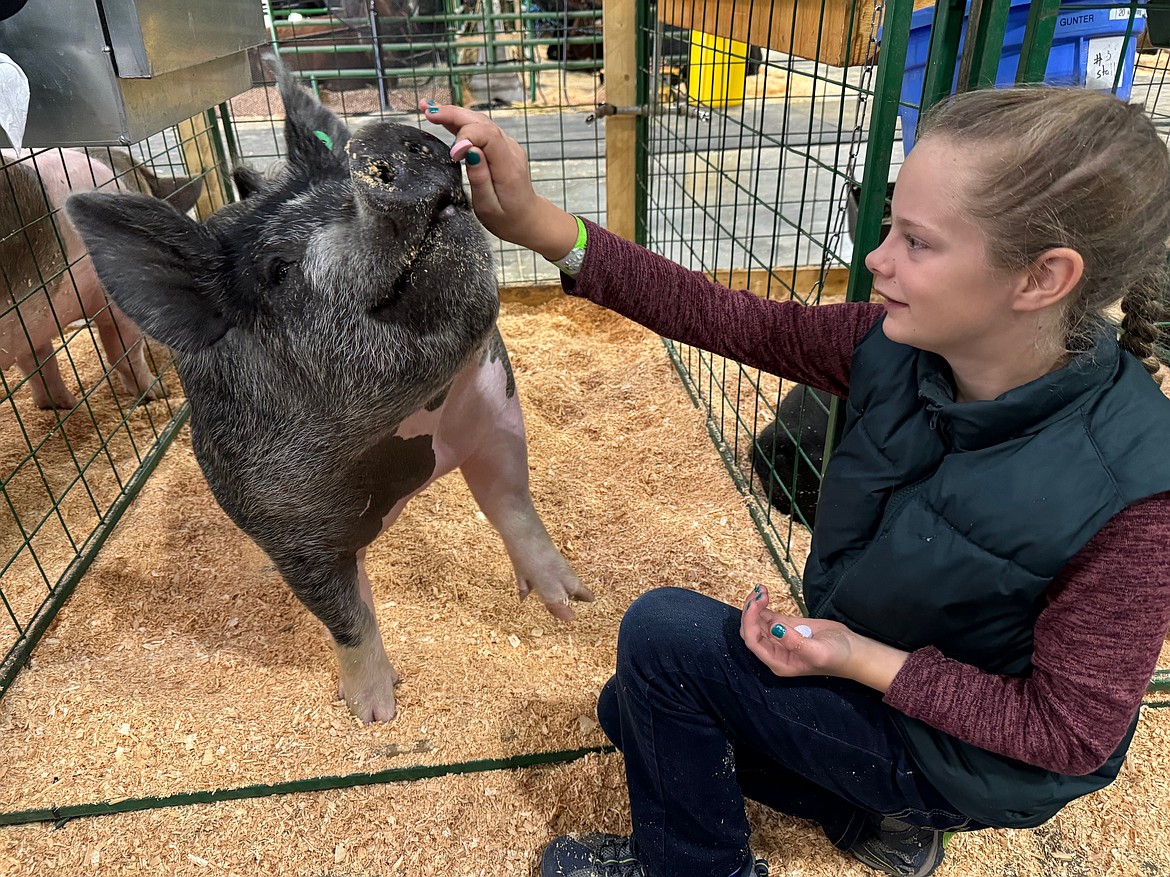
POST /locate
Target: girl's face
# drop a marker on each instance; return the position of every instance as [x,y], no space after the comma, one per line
[932,273]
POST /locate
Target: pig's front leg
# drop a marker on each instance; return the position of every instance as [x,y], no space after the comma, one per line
[497,474]
[337,591]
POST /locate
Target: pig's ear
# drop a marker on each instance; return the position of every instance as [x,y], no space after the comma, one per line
[248,182]
[180,192]
[314,136]
[157,264]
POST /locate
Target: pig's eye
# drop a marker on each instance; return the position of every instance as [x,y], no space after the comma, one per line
[278,271]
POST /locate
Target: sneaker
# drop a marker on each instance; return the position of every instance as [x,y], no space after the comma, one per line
[606,855]
[900,849]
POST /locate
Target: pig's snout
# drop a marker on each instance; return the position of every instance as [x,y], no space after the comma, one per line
[397,169]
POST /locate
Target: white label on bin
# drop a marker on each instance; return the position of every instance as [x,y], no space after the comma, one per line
[1104,59]
[1123,14]
[14,95]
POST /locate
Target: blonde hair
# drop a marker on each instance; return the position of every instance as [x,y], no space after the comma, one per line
[1069,167]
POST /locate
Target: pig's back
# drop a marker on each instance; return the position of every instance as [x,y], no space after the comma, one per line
[28,245]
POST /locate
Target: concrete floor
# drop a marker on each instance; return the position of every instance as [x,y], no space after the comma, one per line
[757,185]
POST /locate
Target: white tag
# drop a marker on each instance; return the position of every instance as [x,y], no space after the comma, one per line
[13,100]
[1103,62]
[1123,14]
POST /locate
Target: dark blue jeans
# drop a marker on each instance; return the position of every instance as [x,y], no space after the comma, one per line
[703,723]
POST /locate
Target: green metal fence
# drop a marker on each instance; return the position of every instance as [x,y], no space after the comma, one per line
[753,189]
[77,441]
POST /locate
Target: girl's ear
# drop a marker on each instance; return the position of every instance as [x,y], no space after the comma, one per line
[1050,279]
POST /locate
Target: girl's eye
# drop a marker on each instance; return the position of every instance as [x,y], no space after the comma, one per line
[914,243]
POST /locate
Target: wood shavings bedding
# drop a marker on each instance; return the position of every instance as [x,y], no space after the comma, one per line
[184,663]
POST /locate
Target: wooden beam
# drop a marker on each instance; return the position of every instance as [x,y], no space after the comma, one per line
[621,33]
[835,32]
[776,283]
[201,161]
[533,294]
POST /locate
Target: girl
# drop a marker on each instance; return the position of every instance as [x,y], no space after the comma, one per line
[988,586]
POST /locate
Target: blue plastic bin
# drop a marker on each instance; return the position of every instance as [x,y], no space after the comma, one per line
[1077,31]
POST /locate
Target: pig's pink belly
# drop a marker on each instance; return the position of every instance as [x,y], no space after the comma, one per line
[477,410]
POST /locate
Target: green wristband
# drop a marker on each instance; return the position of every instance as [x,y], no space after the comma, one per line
[571,262]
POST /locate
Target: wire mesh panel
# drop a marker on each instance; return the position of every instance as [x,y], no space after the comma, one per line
[751,160]
[535,67]
[771,164]
[87,403]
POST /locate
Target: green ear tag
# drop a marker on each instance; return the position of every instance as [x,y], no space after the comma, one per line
[324,138]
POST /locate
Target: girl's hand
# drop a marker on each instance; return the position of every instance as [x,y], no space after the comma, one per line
[825,653]
[501,188]
[832,649]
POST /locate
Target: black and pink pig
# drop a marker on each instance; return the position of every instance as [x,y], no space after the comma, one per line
[335,332]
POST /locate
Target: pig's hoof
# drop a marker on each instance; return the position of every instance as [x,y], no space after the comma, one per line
[372,703]
[57,398]
[558,588]
[372,706]
[154,392]
[148,389]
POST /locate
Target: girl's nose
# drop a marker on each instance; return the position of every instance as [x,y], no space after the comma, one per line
[877,261]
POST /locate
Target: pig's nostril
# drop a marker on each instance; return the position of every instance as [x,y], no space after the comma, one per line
[382,171]
[447,212]
[374,173]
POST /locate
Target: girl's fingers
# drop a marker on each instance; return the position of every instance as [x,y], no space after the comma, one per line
[771,636]
[450,116]
[483,190]
[460,149]
[471,129]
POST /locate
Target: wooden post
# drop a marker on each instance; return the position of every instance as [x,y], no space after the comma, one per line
[200,158]
[621,70]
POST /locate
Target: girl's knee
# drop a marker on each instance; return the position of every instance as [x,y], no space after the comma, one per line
[668,621]
[609,714]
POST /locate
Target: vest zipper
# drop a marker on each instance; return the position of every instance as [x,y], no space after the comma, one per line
[896,502]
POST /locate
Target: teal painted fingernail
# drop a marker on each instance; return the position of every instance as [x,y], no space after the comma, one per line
[778,630]
[473,158]
[758,596]
[432,109]
[431,102]
[756,589]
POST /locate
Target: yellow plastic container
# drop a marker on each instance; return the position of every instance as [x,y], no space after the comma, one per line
[718,70]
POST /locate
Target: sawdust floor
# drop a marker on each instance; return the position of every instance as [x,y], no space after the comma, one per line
[554,90]
[183,663]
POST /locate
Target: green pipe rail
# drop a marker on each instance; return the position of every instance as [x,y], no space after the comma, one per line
[60,815]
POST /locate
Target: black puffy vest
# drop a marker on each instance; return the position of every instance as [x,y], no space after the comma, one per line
[943,524]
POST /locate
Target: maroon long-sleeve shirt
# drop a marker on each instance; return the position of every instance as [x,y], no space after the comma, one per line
[1098,638]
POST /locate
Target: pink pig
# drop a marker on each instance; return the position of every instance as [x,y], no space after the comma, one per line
[47,280]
